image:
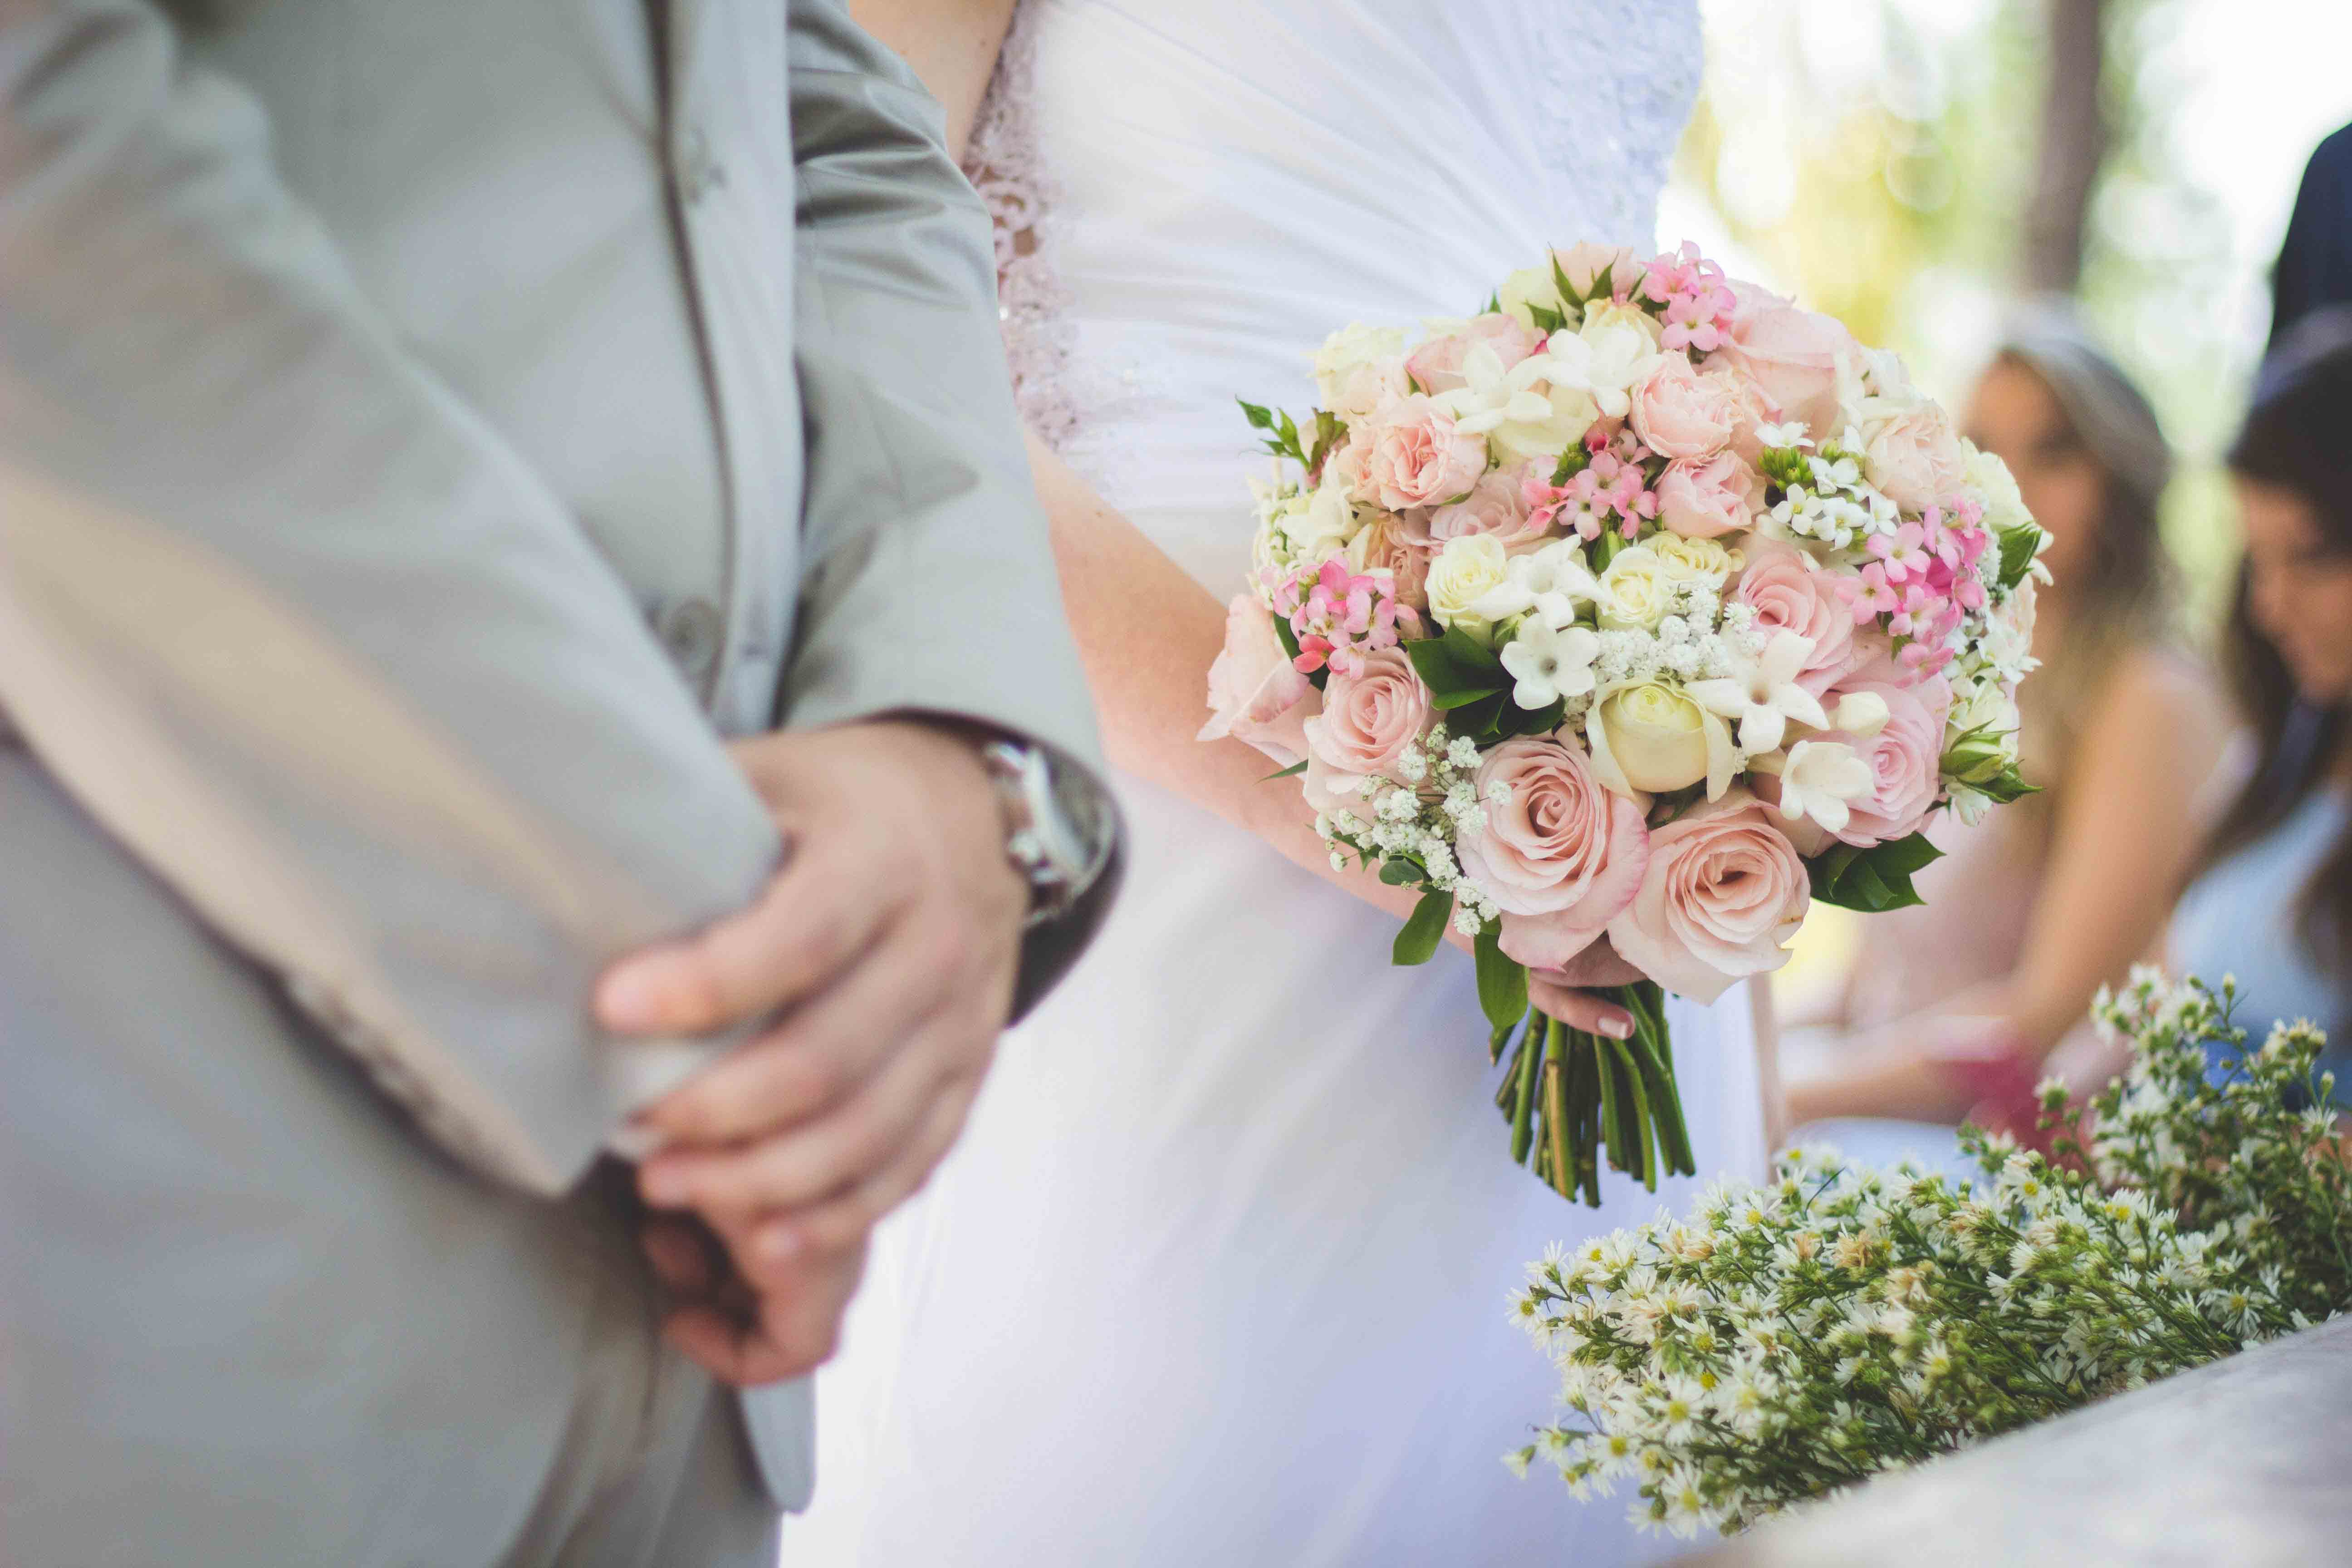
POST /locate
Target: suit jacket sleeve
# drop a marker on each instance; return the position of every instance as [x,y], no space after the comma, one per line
[929,585]
[306,635]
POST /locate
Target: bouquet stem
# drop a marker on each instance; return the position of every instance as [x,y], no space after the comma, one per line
[1575,1099]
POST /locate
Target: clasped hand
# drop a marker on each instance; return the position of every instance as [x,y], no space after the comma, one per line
[882,955]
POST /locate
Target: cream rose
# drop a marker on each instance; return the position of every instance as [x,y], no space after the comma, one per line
[1558,854]
[1411,454]
[1636,590]
[1723,893]
[1593,268]
[1692,560]
[1913,458]
[1678,412]
[1254,693]
[1471,567]
[1702,498]
[1318,525]
[1532,287]
[1653,736]
[1359,368]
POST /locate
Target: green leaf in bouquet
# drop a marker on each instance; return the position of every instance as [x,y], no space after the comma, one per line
[1518,721]
[1494,305]
[1292,771]
[2007,786]
[1502,981]
[2018,545]
[1547,319]
[1260,418]
[1874,880]
[1403,870]
[1572,462]
[1282,433]
[1569,293]
[1456,668]
[1328,432]
[1482,720]
[1425,930]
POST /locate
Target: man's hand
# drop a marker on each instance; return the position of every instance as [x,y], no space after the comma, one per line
[885,949]
[746,1336]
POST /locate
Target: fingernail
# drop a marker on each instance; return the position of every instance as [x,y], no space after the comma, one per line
[1617,1025]
[665,1185]
[629,999]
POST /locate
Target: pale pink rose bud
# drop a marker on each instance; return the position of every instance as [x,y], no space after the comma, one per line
[1706,498]
[1559,855]
[1724,891]
[1678,412]
[1496,505]
[1436,364]
[1412,454]
[1792,356]
[1388,543]
[1789,591]
[1255,692]
[1914,459]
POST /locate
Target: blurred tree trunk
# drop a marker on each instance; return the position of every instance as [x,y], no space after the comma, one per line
[2074,142]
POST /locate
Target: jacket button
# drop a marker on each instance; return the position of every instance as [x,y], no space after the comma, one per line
[689,631]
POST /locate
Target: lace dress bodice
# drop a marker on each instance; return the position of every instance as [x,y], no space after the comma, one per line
[1259,174]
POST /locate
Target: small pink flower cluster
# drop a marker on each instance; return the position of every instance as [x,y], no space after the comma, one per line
[1338,615]
[1613,489]
[1696,295]
[1923,579]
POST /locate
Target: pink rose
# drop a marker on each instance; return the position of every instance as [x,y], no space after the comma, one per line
[1723,891]
[1496,505]
[1388,543]
[1586,264]
[1705,498]
[1913,458]
[1789,591]
[1410,454]
[1904,758]
[1678,412]
[1560,857]
[1792,355]
[1257,694]
[1437,364]
[1367,722]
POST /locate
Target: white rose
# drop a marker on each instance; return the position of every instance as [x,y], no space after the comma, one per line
[1470,567]
[1318,525]
[1635,591]
[1569,412]
[1355,365]
[1989,478]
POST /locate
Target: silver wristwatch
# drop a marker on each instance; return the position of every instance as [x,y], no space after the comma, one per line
[1058,833]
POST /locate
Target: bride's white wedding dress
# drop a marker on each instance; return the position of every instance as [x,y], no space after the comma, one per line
[1218,1274]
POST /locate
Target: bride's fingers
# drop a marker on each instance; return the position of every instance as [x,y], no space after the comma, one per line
[1581,1009]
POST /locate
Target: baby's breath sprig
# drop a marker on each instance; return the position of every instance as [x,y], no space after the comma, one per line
[1785,1341]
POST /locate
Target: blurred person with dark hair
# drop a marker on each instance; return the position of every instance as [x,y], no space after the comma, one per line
[2314,262]
[2270,903]
[1954,1008]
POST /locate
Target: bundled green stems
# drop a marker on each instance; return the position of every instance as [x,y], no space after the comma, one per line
[1575,1099]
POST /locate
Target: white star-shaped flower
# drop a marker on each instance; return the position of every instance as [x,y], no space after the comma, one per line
[1551,664]
[1822,780]
[1518,420]
[1763,694]
[1552,582]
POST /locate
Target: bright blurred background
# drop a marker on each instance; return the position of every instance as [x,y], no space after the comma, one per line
[1912,166]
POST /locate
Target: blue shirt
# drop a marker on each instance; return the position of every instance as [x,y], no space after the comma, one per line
[2239,918]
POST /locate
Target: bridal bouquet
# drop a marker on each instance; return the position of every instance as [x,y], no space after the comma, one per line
[1643,605]
[1788,1340]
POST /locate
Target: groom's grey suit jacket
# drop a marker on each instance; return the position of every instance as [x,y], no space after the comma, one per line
[427,428]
